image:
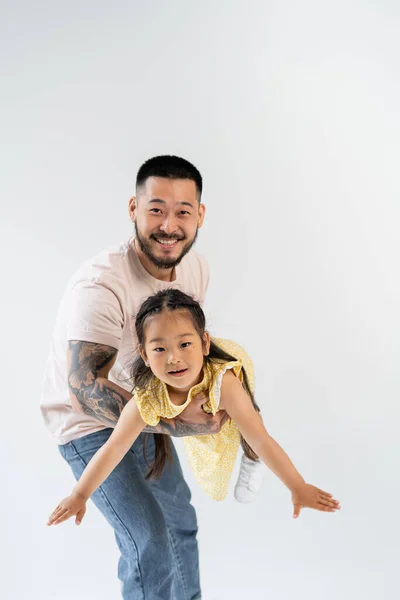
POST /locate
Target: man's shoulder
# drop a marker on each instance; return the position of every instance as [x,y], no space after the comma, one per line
[96,300]
[102,279]
[108,260]
[105,265]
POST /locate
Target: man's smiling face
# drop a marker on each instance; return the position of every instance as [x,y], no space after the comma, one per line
[167,215]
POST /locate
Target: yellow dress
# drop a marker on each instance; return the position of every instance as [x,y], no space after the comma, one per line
[211,457]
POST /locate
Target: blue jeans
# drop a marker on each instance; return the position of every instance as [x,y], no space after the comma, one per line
[154,523]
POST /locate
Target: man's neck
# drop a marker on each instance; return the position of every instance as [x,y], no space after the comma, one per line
[156,272]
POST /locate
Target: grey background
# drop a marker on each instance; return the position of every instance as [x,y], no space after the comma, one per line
[291,112]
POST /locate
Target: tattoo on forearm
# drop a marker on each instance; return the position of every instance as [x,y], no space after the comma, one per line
[98,397]
[179,427]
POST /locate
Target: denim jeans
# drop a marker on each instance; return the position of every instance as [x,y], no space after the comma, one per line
[154,523]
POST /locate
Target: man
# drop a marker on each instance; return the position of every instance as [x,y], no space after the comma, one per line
[87,380]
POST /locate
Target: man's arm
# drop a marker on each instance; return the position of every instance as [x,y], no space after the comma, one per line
[93,394]
[193,420]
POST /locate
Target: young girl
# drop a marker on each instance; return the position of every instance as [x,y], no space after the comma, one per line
[178,361]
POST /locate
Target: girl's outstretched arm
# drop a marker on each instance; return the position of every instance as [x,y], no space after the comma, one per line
[237,403]
[129,426]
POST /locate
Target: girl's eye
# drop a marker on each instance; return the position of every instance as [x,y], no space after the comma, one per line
[158,349]
[185,344]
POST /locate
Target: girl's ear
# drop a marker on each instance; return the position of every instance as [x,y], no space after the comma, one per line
[143,355]
[206,343]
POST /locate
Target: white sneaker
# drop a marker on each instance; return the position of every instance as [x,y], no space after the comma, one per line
[250,480]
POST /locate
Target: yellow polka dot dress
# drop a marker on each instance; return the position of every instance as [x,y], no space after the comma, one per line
[211,457]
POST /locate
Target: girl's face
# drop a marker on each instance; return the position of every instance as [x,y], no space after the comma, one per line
[174,350]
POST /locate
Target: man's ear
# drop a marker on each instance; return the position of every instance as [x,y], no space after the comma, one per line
[132,207]
[202,214]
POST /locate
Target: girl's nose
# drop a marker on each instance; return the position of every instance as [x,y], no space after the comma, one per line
[173,359]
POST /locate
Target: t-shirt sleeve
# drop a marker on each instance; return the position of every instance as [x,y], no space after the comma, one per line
[95,314]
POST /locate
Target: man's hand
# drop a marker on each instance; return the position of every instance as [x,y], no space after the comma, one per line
[192,421]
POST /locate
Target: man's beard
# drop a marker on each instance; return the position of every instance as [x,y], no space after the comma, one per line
[158,262]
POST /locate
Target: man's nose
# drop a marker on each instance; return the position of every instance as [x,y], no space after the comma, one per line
[169,224]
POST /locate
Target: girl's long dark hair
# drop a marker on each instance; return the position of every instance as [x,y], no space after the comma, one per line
[171,300]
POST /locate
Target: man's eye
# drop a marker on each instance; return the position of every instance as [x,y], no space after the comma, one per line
[155,210]
[184,212]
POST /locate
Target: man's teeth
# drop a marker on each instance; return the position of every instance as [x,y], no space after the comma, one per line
[167,242]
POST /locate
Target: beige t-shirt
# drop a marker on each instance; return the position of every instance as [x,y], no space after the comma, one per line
[100,305]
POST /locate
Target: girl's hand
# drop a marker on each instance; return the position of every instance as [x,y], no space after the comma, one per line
[309,496]
[75,504]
